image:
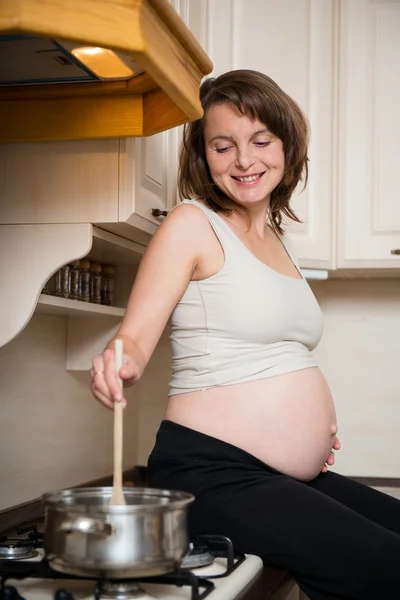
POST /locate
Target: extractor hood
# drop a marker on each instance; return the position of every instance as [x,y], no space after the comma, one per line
[29,60]
[82,69]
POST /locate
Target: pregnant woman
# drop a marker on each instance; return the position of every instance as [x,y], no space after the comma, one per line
[250,423]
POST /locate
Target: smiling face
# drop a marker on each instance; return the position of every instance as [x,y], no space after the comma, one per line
[246,161]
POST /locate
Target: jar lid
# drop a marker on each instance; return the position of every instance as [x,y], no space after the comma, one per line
[109,269]
[95,267]
[85,264]
[75,263]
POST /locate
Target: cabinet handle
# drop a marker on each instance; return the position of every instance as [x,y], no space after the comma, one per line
[395,251]
[156,212]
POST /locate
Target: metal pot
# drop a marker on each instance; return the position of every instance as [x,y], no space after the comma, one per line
[87,537]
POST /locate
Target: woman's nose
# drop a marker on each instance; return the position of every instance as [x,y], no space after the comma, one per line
[244,158]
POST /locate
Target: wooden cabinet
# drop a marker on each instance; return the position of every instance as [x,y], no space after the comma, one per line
[149,38]
[111,183]
[148,171]
[368,136]
[59,182]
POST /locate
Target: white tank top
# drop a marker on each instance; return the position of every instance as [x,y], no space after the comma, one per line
[244,323]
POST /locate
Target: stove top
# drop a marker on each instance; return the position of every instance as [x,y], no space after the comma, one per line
[210,569]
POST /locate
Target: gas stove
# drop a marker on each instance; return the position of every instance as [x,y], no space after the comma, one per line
[211,569]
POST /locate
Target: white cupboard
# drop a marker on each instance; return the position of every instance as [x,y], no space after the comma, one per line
[339,60]
[107,182]
[369,133]
[149,166]
[294,43]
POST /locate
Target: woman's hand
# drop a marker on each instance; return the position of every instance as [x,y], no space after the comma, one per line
[104,382]
[335,446]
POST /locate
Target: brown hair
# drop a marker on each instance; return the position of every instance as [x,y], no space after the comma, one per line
[259,97]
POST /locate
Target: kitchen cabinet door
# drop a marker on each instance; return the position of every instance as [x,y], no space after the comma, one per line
[143,198]
[149,166]
[369,133]
[59,182]
[294,43]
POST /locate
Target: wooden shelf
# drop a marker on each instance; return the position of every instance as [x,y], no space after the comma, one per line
[165,96]
[106,248]
[113,249]
[62,307]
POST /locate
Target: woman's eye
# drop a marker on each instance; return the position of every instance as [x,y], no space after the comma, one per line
[262,144]
[222,150]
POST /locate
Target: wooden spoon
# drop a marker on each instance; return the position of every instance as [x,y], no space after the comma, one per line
[118,495]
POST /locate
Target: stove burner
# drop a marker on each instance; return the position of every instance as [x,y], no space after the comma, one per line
[197,556]
[203,549]
[122,591]
[15,550]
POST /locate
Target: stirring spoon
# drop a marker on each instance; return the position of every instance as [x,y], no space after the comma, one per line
[117,497]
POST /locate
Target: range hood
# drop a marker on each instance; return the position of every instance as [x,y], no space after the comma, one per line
[85,69]
[29,60]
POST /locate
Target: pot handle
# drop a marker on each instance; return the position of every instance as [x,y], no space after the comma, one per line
[87,525]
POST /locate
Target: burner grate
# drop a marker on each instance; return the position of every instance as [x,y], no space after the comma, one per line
[200,587]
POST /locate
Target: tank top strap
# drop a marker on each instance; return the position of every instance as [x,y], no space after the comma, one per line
[224,233]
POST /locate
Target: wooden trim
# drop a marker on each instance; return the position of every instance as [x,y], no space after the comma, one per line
[20,515]
[116,24]
[71,119]
[163,58]
[393,482]
[137,86]
[171,19]
[158,111]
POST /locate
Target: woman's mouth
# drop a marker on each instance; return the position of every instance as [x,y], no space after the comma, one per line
[248,179]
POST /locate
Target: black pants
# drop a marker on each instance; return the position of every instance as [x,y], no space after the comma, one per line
[338,538]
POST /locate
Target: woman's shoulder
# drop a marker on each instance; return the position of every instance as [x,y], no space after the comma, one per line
[185,220]
[189,211]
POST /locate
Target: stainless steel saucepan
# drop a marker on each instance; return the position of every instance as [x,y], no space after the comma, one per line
[86,536]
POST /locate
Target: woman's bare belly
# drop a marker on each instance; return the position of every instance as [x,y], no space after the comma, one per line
[285,421]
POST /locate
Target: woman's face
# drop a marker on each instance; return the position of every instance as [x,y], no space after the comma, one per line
[246,160]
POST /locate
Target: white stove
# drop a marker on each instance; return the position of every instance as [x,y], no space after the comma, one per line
[213,582]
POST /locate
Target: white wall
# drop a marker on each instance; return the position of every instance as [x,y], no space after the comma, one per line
[359,355]
[52,432]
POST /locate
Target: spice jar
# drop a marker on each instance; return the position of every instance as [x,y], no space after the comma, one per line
[46,288]
[84,290]
[63,282]
[75,272]
[95,283]
[107,285]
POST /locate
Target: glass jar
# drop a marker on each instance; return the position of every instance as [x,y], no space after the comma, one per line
[46,288]
[107,285]
[84,291]
[63,282]
[75,272]
[95,283]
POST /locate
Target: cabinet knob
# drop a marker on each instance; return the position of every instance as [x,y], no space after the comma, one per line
[395,251]
[156,212]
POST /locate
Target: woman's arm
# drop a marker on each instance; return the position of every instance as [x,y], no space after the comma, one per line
[163,275]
